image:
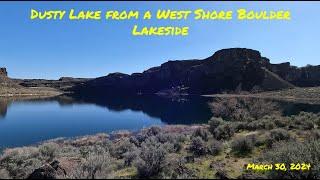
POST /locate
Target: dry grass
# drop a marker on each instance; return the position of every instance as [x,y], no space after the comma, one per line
[304,95]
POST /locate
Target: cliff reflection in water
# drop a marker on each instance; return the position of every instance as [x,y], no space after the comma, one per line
[179,110]
[170,110]
[3,108]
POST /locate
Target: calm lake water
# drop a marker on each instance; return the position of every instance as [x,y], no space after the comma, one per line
[26,122]
[32,121]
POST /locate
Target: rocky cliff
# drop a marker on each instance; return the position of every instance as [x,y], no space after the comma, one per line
[5,81]
[3,72]
[227,70]
[308,76]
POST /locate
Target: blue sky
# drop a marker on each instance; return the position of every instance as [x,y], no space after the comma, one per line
[51,49]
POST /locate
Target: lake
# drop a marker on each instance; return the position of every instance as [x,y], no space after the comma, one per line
[26,122]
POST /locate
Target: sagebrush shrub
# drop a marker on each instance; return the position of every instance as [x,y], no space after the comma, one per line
[203,133]
[20,162]
[242,145]
[152,158]
[214,123]
[241,109]
[122,147]
[130,157]
[295,152]
[198,146]
[276,135]
[49,150]
[95,166]
[223,132]
[214,147]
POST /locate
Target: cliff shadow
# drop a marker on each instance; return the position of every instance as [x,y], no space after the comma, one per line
[4,103]
[173,110]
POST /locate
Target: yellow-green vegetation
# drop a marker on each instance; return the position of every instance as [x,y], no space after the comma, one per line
[220,149]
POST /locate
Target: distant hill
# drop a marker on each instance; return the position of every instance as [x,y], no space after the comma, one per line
[227,70]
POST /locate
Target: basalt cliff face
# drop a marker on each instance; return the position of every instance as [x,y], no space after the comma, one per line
[3,72]
[308,76]
[3,75]
[227,70]
[5,81]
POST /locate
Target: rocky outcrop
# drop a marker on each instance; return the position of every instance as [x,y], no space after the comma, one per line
[3,72]
[227,70]
[5,81]
[3,75]
[307,76]
[49,171]
[61,84]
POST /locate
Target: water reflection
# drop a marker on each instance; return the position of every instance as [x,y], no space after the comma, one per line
[27,121]
[186,110]
[3,107]
[176,110]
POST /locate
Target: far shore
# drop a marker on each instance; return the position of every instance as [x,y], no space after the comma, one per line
[308,95]
[29,92]
[304,95]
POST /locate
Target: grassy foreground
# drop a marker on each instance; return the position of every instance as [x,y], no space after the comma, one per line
[220,149]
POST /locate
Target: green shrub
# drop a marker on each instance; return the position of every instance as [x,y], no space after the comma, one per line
[295,152]
[152,159]
[238,126]
[175,168]
[229,109]
[223,132]
[276,135]
[315,134]
[20,162]
[214,123]
[214,147]
[153,131]
[145,134]
[203,133]
[121,147]
[198,146]
[304,121]
[95,166]
[172,142]
[279,134]
[280,122]
[241,109]
[242,145]
[130,157]
[49,150]
[260,124]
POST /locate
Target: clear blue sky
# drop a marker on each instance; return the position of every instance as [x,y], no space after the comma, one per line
[51,49]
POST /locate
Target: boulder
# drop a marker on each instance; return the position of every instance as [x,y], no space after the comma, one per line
[49,171]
